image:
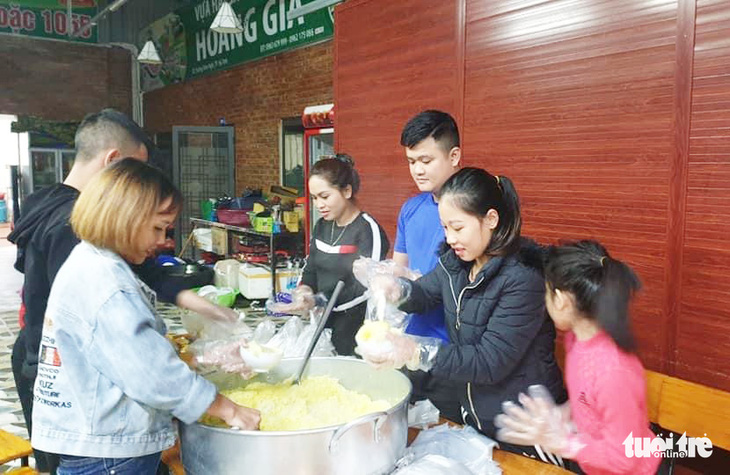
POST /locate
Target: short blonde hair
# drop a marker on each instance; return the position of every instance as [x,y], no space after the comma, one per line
[115,204]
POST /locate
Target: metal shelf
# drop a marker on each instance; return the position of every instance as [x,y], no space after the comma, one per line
[238,229]
[205,222]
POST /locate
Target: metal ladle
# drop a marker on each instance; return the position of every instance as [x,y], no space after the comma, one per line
[318,332]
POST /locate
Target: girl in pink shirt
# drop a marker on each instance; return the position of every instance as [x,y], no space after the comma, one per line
[587,295]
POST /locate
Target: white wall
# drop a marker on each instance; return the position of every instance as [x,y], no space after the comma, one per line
[13,151]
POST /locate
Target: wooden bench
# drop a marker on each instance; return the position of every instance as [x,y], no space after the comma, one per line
[681,406]
[12,448]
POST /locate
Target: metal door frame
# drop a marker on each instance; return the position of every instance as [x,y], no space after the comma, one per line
[309,220]
[56,164]
[176,131]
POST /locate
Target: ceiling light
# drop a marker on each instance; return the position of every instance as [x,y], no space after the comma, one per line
[226,21]
[149,54]
[117,5]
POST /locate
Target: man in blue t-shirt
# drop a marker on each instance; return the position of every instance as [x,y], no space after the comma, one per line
[431,141]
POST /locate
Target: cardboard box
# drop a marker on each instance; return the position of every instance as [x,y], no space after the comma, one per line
[219,237]
[254,282]
[286,195]
[291,221]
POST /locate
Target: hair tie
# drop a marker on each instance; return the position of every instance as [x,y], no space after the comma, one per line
[345,158]
[603,259]
[499,182]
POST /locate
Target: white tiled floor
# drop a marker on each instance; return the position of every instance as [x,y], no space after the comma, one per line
[11,416]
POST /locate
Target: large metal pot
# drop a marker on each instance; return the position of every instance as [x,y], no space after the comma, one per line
[368,445]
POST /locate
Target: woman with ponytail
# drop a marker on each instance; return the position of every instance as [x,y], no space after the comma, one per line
[342,234]
[588,295]
[501,340]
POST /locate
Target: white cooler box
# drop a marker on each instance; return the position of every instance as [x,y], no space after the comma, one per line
[254,282]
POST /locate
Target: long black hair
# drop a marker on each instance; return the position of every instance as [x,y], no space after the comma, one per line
[475,191]
[338,172]
[602,286]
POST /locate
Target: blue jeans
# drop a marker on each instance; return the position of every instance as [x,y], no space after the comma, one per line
[72,465]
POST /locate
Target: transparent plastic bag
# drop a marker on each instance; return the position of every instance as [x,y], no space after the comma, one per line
[461,444]
[294,337]
[433,464]
[324,346]
[382,340]
[301,301]
[200,327]
[287,335]
[423,414]
[235,348]
[386,289]
[379,309]
[274,303]
[264,331]
[365,268]
[226,273]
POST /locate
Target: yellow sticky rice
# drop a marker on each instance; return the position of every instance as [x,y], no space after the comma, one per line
[320,401]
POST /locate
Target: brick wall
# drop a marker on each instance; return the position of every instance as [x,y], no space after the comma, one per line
[253,97]
[60,80]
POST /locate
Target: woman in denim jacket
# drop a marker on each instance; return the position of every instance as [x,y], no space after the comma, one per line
[109,383]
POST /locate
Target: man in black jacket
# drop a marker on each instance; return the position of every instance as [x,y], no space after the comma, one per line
[45,239]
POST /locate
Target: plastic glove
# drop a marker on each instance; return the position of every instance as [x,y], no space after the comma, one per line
[538,422]
[384,347]
[303,300]
[395,352]
[224,355]
[365,269]
[224,314]
[392,289]
[189,300]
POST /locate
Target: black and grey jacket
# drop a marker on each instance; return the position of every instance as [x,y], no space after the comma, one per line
[501,338]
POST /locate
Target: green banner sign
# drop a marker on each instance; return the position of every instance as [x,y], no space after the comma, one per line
[188,48]
[48,18]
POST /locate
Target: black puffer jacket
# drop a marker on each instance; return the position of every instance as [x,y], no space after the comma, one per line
[501,338]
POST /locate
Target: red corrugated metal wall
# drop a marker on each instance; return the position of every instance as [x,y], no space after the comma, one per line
[611,118]
[388,68]
[703,324]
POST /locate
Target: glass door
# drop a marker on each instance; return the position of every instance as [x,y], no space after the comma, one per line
[203,167]
[66,162]
[43,168]
[320,144]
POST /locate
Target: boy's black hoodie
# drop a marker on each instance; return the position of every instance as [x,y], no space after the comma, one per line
[44,239]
